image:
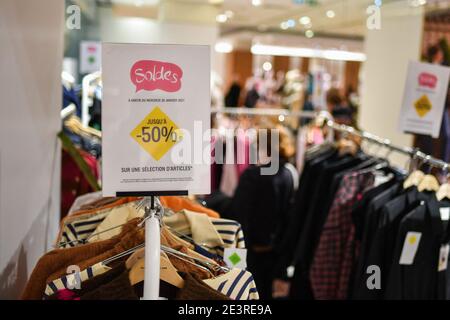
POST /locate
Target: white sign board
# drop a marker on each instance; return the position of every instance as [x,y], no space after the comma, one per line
[155,119]
[90,56]
[424,98]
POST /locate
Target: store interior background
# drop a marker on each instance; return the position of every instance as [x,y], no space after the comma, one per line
[37,46]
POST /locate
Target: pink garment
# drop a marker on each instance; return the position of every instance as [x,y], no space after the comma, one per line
[66,294]
[317,136]
[229,180]
[242,160]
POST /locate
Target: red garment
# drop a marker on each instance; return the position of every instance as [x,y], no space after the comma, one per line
[333,259]
[66,294]
[73,182]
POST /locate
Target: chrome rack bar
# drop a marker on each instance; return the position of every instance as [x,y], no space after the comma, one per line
[264,112]
[414,153]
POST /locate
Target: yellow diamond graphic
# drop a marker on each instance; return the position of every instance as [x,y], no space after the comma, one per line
[156,134]
[423,106]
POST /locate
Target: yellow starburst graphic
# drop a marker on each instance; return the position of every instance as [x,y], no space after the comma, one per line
[156,133]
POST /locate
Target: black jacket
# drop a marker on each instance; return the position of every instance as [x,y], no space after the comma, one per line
[261,203]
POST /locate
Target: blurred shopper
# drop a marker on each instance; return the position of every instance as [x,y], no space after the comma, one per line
[260,203]
[232,97]
[352,101]
[342,113]
[252,97]
[307,106]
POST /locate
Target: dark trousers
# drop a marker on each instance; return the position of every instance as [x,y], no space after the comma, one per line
[261,265]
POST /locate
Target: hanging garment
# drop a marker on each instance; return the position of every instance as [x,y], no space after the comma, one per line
[213,234]
[379,238]
[237,284]
[179,203]
[73,181]
[332,264]
[415,276]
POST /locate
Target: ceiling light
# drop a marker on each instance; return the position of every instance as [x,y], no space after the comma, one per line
[267,66]
[344,55]
[215,1]
[221,18]
[309,33]
[256,3]
[223,47]
[291,23]
[305,20]
[229,14]
[140,3]
[284,25]
[331,14]
[418,3]
[269,50]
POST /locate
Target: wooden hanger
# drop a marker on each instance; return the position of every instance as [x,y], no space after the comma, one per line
[443,192]
[168,273]
[428,183]
[347,146]
[413,179]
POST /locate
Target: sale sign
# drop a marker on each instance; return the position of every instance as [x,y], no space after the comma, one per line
[90,56]
[155,119]
[424,98]
[151,75]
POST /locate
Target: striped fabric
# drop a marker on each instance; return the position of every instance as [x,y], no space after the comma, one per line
[65,281]
[213,234]
[231,234]
[79,229]
[237,284]
[75,231]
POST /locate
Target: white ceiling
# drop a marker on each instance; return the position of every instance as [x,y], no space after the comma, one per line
[349,21]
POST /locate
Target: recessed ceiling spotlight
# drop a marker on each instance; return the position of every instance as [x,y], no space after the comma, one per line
[309,34]
[331,14]
[284,25]
[267,66]
[418,3]
[256,3]
[221,18]
[305,20]
[223,47]
[229,14]
[291,23]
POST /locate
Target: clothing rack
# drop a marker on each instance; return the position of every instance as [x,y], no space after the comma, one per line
[264,112]
[326,117]
[152,220]
[414,153]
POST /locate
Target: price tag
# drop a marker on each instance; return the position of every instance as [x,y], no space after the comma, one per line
[443,257]
[410,246]
[235,258]
[445,213]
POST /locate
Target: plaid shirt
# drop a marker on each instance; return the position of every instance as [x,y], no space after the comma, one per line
[333,259]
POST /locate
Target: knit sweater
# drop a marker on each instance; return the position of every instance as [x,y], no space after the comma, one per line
[54,263]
